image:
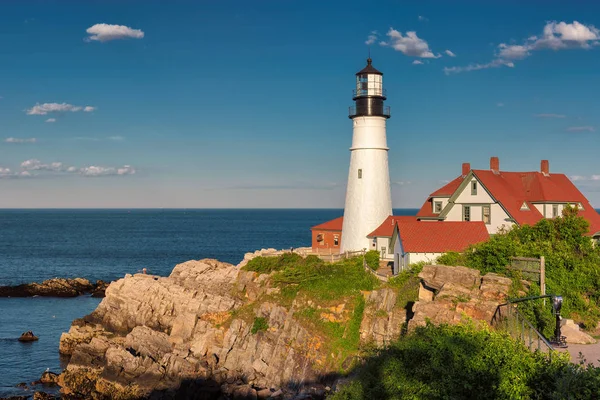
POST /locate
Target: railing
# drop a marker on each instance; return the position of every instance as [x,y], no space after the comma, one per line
[369,92]
[508,317]
[385,112]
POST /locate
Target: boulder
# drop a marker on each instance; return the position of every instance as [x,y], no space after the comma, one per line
[56,287]
[436,276]
[49,378]
[574,335]
[28,337]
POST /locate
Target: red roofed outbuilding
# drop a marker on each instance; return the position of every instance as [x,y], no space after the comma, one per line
[414,241]
[327,237]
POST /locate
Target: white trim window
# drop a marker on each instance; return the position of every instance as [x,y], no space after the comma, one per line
[466,213]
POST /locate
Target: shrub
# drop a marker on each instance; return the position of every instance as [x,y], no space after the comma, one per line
[451,258]
[372,259]
[462,362]
[260,324]
[266,265]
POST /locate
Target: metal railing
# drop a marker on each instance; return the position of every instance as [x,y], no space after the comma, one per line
[519,328]
[369,92]
[385,112]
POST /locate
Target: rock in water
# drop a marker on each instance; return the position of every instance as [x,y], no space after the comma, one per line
[49,378]
[28,337]
[56,287]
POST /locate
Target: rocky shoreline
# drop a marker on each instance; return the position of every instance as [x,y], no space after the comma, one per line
[56,287]
[194,334]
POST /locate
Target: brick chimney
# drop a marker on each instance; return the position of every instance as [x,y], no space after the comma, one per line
[495,165]
[466,168]
[545,168]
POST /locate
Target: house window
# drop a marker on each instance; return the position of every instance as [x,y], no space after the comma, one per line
[486,214]
[336,240]
[437,207]
[320,237]
[473,188]
[580,206]
[554,210]
[466,213]
[360,174]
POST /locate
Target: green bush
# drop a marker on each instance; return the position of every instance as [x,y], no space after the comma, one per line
[372,259]
[451,258]
[462,362]
[260,324]
[572,262]
[266,265]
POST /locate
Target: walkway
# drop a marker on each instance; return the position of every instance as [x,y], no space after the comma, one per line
[591,353]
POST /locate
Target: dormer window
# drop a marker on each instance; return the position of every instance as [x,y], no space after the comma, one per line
[474,188]
[437,207]
[580,206]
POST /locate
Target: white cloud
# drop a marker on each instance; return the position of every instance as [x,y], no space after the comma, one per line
[61,168]
[45,108]
[595,177]
[372,38]
[423,19]
[19,140]
[451,54]
[578,178]
[401,183]
[116,138]
[409,44]
[581,129]
[499,104]
[106,32]
[417,62]
[51,120]
[555,36]
[550,115]
[475,67]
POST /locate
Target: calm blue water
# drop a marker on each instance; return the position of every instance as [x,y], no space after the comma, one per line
[106,244]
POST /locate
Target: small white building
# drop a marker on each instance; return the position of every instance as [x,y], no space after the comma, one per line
[414,241]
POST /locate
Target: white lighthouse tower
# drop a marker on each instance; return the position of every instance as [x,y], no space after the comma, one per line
[368,196]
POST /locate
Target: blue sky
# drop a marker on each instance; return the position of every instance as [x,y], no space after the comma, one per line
[244,104]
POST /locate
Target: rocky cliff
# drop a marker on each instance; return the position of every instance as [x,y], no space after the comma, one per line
[211,329]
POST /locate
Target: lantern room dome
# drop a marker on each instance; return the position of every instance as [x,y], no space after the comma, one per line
[369,69]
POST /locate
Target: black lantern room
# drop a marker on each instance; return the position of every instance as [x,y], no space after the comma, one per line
[369,94]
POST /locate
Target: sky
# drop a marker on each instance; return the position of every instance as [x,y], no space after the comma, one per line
[244,104]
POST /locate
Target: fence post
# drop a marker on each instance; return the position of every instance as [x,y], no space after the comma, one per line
[543,276]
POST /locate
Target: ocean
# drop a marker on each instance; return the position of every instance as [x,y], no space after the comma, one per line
[107,244]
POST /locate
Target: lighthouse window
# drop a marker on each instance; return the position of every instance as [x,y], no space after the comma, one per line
[360,174]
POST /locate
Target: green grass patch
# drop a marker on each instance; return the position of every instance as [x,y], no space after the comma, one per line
[260,325]
[266,265]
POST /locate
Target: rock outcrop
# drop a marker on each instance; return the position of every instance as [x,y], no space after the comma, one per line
[452,294]
[56,287]
[151,335]
[574,335]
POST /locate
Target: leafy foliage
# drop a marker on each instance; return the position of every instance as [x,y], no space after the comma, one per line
[324,281]
[260,324]
[572,261]
[462,362]
[451,258]
[266,265]
[372,259]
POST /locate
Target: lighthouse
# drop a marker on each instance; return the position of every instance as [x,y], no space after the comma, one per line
[368,195]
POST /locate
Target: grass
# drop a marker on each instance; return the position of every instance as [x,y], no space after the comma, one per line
[260,325]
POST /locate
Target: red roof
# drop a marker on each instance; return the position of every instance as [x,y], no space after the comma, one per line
[386,229]
[333,225]
[445,191]
[512,189]
[439,237]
